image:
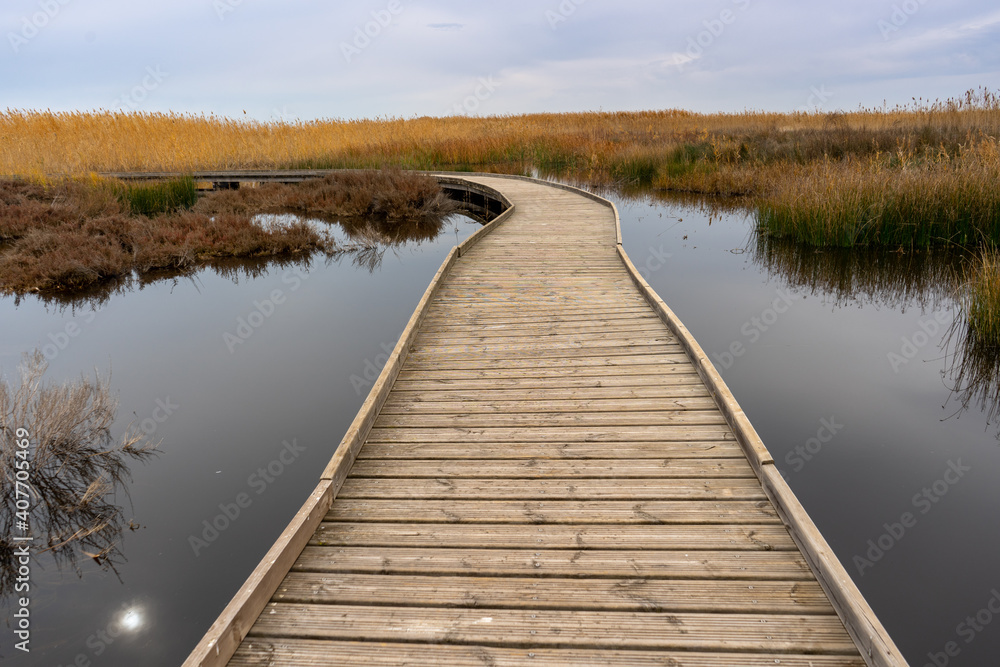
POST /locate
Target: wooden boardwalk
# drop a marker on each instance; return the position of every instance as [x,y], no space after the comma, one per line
[549,472]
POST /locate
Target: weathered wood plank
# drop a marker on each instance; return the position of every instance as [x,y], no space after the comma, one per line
[544,434]
[515,627]
[286,652]
[546,363]
[552,419]
[548,468]
[440,362]
[422,403]
[591,563]
[633,594]
[555,489]
[762,537]
[673,388]
[553,450]
[554,511]
[540,338]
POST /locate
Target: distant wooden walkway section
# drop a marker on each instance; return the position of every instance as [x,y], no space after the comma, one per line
[549,472]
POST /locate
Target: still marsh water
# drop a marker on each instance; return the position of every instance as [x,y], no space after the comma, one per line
[839,360]
[805,340]
[237,411]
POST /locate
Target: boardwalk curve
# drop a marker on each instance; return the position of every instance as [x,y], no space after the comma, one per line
[549,471]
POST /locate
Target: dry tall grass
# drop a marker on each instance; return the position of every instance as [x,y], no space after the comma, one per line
[982,296]
[679,149]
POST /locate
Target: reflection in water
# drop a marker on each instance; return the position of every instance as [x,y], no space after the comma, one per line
[74,470]
[931,279]
[369,238]
[974,371]
[928,278]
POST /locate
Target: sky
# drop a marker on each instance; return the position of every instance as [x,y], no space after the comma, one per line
[312,59]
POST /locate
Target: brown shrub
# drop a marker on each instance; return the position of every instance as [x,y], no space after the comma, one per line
[78,233]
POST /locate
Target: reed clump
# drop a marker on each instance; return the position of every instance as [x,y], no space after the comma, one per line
[940,199]
[388,196]
[982,301]
[79,232]
[151,199]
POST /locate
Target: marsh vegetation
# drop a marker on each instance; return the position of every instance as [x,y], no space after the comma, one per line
[77,233]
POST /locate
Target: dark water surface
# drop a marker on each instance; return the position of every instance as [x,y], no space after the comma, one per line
[812,345]
[838,359]
[260,417]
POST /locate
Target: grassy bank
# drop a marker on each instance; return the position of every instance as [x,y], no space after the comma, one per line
[79,232]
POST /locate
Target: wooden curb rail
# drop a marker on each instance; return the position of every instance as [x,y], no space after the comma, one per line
[224,636]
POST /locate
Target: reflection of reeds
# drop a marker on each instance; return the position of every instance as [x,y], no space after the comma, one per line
[75,467]
[975,372]
[928,278]
[975,344]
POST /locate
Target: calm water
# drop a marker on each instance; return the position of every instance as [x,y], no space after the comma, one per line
[223,412]
[804,340]
[859,420]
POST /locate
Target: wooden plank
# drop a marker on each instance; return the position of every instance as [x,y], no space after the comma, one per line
[671,389]
[305,653]
[552,419]
[749,566]
[555,489]
[439,315]
[618,385]
[536,628]
[543,434]
[546,359]
[541,338]
[633,594]
[554,511]
[436,362]
[420,403]
[552,450]
[558,468]
[763,537]
[514,330]
[662,342]
[521,375]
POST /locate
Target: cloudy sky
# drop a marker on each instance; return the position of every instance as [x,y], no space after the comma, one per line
[306,59]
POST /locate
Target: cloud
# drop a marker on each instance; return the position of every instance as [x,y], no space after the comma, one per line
[627,55]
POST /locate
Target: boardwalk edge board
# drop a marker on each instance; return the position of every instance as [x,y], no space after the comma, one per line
[871,638]
[224,637]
